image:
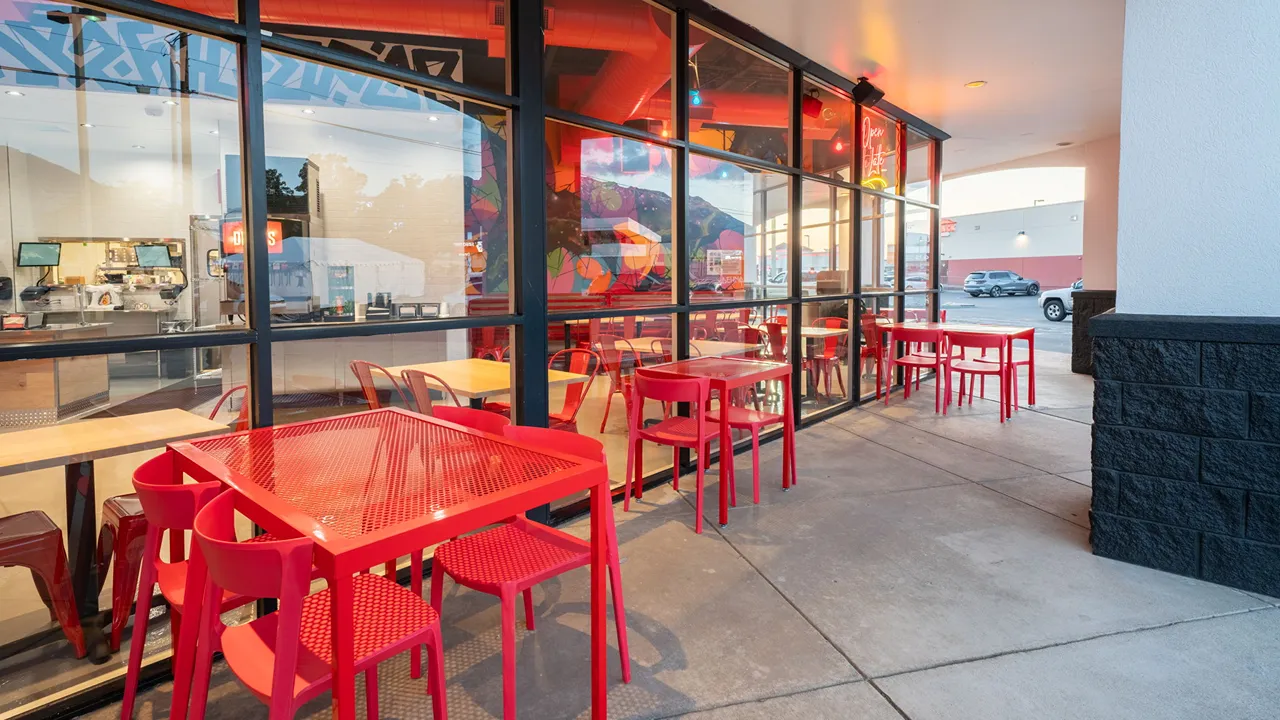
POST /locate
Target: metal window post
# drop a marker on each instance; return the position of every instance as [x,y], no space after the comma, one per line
[253,157]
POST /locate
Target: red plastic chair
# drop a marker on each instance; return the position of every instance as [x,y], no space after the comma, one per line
[481,420]
[615,360]
[415,381]
[980,367]
[283,658]
[581,361]
[675,432]
[364,371]
[777,339]
[33,541]
[124,531]
[916,362]
[873,349]
[507,561]
[754,421]
[834,353]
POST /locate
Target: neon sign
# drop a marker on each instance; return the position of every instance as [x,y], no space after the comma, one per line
[233,237]
[874,154]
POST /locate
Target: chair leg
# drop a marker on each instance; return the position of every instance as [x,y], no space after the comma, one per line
[697,521]
[619,608]
[633,448]
[508,602]
[435,679]
[675,469]
[57,579]
[371,692]
[755,465]
[528,609]
[607,402]
[129,544]
[415,584]
[840,381]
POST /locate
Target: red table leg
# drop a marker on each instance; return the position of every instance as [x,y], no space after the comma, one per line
[600,507]
[1031,369]
[342,605]
[726,455]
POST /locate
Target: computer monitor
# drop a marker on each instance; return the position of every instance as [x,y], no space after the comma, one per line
[153,256]
[39,254]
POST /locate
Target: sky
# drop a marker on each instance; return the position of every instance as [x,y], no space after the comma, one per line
[1011,189]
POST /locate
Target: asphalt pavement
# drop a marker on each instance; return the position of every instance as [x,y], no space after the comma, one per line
[1009,310]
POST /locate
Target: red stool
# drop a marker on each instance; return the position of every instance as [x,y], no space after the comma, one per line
[123,536]
[510,559]
[31,540]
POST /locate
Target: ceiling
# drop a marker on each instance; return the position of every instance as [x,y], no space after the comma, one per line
[1052,67]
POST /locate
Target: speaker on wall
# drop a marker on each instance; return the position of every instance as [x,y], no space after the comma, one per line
[864,93]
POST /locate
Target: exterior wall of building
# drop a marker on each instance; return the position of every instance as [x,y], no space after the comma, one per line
[1198,185]
[1051,252]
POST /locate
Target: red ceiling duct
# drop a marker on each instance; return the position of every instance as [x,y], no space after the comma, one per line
[627,80]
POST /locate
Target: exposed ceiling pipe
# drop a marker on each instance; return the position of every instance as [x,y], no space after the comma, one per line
[570,23]
[628,80]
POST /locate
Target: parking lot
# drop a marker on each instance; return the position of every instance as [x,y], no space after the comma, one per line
[1009,310]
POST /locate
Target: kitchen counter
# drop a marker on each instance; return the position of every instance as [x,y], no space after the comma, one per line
[47,391]
[55,331]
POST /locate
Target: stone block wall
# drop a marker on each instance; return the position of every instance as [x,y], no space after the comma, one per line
[1085,305]
[1186,446]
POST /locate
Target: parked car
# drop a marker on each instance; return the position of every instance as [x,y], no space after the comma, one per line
[1057,304]
[999,282]
[915,282]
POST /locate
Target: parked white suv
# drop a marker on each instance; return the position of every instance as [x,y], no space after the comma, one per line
[1056,304]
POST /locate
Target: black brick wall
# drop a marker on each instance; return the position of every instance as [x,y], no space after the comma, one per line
[1186,448]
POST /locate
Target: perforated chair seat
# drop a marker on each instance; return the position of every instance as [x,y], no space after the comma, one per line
[521,552]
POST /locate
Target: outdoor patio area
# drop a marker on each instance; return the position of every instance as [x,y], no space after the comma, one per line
[925,567]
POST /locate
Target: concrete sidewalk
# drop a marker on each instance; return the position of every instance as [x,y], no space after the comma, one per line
[925,567]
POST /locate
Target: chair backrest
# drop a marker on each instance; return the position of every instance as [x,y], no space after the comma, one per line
[831,347]
[872,335]
[416,381]
[959,338]
[481,420]
[614,351]
[580,362]
[915,335]
[168,503]
[364,370]
[257,569]
[730,330]
[650,384]
[584,447]
[777,339]
[942,315]
[663,348]
[242,419]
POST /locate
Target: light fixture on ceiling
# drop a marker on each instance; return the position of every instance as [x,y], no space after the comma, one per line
[213,132]
[1021,237]
[14,93]
[976,84]
[308,111]
[86,125]
[139,147]
[433,118]
[170,102]
[1065,143]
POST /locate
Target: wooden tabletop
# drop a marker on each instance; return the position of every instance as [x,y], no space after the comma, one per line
[475,378]
[85,440]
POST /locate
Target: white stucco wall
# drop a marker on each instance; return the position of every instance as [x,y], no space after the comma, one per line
[1199,184]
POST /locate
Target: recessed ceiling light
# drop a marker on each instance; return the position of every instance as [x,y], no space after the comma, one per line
[86,125]
[308,111]
[139,147]
[1065,143]
[432,118]
[975,84]
[213,132]
[14,93]
[170,102]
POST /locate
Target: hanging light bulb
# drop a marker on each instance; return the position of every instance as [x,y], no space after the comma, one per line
[839,145]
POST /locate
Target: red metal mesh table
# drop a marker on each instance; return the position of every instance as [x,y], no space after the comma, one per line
[726,374]
[378,485]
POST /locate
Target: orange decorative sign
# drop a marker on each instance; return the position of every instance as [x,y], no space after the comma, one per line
[874,154]
[233,237]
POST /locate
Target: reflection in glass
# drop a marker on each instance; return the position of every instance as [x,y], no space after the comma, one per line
[917,247]
[919,166]
[612,63]
[738,101]
[825,341]
[879,244]
[827,246]
[736,231]
[609,218]
[112,147]
[91,405]
[879,152]
[827,131]
[391,204]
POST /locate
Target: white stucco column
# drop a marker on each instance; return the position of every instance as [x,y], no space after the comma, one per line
[1200,159]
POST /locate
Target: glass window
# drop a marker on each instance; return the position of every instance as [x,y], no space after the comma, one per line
[879,244]
[917,246]
[919,166]
[464,41]
[736,231]
[390,204]
[874,313]
[918,308]
[314,378]
[599,357]
[825,341]
[185,394]
[609,221]
[879,152]
[827,118]
[826,243]
[738,101]
[110,174]
[613,64]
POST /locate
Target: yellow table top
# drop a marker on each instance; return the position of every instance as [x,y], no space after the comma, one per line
[85,440]
[808,331]
[476,378]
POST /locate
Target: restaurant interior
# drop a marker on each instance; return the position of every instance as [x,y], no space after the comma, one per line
[765,199]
